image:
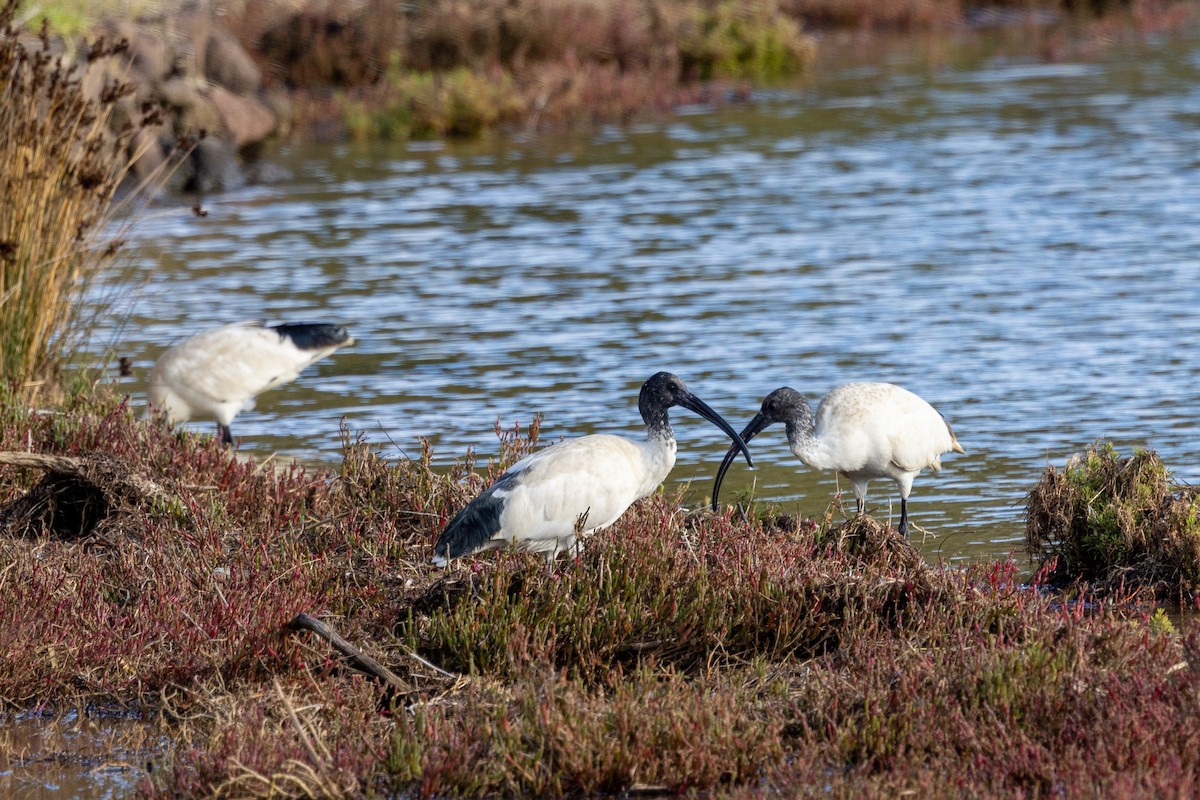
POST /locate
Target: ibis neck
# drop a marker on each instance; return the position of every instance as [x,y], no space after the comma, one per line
[659,450]
[803,440]
[658,425]
[661,432]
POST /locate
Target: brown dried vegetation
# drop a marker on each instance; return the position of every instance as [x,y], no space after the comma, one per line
[373,69]
[461,66]
[676,653]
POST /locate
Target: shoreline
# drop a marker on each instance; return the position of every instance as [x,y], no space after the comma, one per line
[233,79]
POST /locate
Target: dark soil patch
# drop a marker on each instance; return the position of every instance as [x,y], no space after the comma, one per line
[78,496]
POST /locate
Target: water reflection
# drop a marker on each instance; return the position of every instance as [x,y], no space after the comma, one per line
[1017,243]
[91,754]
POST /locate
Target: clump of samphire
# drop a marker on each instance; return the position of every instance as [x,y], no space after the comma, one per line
[1116,523]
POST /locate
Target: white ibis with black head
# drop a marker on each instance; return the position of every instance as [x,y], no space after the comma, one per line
[863,431]
[582,484]
[218,373]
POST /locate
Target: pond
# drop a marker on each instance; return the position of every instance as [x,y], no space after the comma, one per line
[1017,241]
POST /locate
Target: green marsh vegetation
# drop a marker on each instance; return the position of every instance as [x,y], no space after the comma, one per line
[1116,524]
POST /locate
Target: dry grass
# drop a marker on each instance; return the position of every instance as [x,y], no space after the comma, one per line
[60,165]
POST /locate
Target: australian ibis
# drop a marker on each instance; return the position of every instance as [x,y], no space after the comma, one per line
[582,484]
[861,430]
[218,373]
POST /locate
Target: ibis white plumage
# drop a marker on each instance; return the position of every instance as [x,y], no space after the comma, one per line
[861,430]
[582,484]
[217,373]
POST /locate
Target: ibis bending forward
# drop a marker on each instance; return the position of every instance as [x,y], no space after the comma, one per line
[583,484]
[863,431]
[218,373]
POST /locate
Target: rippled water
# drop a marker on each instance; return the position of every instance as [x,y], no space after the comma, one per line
[1017,242]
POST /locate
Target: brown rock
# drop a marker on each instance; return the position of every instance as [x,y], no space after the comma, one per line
[281,106]
[245,120]
[151,58]
[228,65]
[192,107]
[147,152]
[190,32]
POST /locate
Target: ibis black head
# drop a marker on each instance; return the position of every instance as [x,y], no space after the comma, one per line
[782,405]
[313,335]
[664,390]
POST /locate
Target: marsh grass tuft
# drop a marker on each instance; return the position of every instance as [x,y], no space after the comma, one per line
[642,589]
[62,158]
[1116,523]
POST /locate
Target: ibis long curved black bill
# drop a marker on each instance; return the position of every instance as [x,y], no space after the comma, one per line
[756,426]
[693,403]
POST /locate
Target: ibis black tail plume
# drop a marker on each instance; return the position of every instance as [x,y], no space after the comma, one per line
[313,335]
[475,524]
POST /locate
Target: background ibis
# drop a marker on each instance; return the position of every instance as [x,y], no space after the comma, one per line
[218,373]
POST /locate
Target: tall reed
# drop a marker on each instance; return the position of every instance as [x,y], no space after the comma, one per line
[62,159]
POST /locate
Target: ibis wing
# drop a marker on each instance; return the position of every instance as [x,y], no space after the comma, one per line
[477,523]
[597,475]
[543,496]
[920,436]
[881,423]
